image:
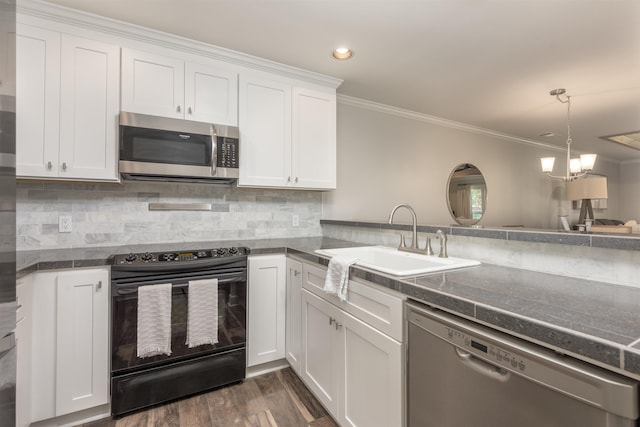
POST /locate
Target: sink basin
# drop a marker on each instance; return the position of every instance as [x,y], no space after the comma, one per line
[397,263]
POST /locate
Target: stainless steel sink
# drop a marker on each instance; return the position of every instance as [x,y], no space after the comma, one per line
[392,261]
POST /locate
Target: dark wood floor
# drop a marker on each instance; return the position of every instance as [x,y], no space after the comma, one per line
[276,399]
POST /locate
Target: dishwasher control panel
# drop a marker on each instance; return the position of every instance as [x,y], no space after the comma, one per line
[493,353]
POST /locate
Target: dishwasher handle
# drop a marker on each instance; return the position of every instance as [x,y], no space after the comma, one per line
[483,367]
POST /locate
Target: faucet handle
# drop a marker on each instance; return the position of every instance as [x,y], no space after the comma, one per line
[443,244]
[428,250]
[402,242]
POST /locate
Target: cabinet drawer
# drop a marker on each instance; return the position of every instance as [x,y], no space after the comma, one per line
[379,309]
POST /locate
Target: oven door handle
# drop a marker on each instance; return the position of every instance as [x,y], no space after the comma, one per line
[133,288]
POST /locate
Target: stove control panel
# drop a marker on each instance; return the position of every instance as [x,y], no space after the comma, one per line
[181,256]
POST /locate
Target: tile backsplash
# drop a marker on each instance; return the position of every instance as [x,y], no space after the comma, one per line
[118,214]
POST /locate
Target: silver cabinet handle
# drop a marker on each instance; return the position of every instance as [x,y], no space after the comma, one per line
[288,179]
[296,180]
[296,273]
[64,166]
[49,165]
[338,325]
[331,320]
[189,110]
[178,109]
[99,285]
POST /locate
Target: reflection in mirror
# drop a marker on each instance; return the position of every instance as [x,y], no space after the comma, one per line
[466,194]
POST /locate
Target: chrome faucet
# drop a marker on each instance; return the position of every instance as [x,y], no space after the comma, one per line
[440,235]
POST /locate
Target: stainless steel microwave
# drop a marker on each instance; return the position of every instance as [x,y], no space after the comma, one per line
[165,149]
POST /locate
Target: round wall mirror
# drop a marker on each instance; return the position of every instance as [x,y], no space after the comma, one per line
[466,194]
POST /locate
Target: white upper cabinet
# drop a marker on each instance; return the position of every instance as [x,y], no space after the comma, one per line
[171,87]
[89,108]
[265,133]
[313,148]
[287,135]
[37,102]
[67,106]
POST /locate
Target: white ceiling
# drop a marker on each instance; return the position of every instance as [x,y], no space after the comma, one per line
[487,63]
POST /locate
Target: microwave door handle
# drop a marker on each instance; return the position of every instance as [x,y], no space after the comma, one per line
[214,151]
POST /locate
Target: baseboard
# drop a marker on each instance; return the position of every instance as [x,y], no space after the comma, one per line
[264,368]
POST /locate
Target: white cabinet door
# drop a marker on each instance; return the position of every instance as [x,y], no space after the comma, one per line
[265,133]
[152,84]
[314,139]
[43,346]
[89,108]
[37,102]
[321,351]
[372,388]
[24,316]
[294,313]
[211,94]
[82,327]
[266,309]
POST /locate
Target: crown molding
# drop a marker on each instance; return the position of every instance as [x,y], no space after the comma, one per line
[68,16]
[408,114]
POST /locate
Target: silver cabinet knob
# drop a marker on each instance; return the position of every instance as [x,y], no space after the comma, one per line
[296,180]
[178,109]
[49,166]
[189,111]
[64,166]
[288,179]
[99,285]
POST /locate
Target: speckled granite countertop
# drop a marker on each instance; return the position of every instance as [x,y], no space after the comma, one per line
[592,321]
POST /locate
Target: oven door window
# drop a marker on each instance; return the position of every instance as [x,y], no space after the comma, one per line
[157,146]
[231,325]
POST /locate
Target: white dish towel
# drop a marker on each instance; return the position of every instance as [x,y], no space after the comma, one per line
[202,324]
[154,320]
[337,280]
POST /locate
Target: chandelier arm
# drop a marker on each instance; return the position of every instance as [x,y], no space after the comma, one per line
[563,178]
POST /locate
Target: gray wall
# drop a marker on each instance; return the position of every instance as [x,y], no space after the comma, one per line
[386,158]
[630,190]
[114,215]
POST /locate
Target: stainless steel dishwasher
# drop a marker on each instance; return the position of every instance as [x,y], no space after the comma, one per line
[461,374]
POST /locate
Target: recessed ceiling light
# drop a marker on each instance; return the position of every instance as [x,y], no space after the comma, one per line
[630,139]
[342,53]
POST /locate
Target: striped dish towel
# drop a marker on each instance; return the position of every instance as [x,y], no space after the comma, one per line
[154,320]
[202,323]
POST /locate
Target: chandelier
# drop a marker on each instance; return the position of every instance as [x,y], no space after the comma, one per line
[575,167]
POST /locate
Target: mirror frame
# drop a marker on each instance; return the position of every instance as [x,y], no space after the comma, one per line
[457,168]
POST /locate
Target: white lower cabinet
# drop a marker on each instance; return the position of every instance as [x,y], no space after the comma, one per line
[354,369]
[266,309]
[321,352]
[70,342]
[371,369]
[24,315]
[293,314]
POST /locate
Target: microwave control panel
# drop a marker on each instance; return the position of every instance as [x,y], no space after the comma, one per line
[228,149]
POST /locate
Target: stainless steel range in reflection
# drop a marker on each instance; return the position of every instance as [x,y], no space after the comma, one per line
[139,382]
